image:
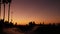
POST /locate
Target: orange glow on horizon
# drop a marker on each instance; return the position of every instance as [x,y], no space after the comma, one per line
[26,11]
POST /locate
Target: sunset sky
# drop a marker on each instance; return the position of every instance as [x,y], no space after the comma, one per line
[25,11]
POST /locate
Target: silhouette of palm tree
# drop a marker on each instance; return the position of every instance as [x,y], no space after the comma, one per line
[0,9]
[9,2]
[4,2]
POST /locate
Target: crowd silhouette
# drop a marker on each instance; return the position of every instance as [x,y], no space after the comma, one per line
[31,28]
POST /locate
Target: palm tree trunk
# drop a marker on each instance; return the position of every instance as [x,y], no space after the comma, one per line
[4,12]
[9,12]
[0,9]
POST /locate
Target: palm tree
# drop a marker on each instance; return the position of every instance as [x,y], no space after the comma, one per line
[4,2]
[9,2]
[0,9]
